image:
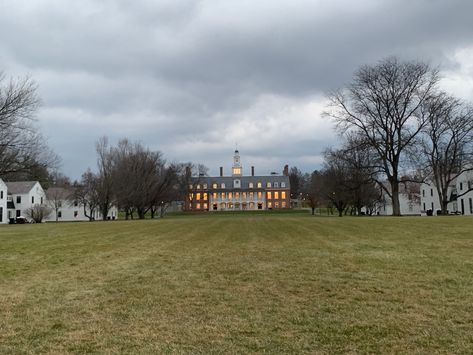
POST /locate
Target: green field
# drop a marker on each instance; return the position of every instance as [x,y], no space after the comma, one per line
[261,283]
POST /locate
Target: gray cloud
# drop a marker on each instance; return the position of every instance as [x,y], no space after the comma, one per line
[193,78]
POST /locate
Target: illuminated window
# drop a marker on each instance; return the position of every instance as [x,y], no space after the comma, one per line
[251,194]
[250,185]
[243,195]
[276,195]
[205,206]
[197,206]
[191,196]
[268,195]
[260,195]
[270,205]
[223,185]
[283,195]
[283,204]
[230,205]
[268,184]
[223,195]
[276,204]
[236,171]
[283,184]
[206,196]
[259,185]
[230,195]
[197,196]
[237,195]
[214,195]
[214,186]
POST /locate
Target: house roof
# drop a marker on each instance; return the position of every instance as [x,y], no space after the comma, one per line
[59,193]
[245,180]
[20,187]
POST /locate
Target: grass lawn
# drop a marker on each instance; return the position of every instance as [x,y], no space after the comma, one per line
[229,283]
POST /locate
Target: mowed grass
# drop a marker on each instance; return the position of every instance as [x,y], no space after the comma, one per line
[263,283]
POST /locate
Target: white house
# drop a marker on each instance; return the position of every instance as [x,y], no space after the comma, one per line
[409,201]
[64,208]
[460,195]
[23,195]
[3,202]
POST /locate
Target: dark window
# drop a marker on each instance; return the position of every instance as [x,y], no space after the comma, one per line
[424,206]
[461,186]
[76,213]
[431,192]
[41,199]
[18,199]
[462,206]
[32,199]
[471,205]
[1,195]
[76,203]
[18,213]
[59,214]
[1,213]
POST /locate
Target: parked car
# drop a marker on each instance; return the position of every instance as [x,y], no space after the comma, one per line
[21,220]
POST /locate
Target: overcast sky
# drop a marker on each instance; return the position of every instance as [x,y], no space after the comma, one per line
[194,78]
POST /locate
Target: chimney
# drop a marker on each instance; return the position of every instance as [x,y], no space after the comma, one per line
[252,171]
[221,171]
[285,172]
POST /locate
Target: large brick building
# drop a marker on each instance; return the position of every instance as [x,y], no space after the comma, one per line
[238,192]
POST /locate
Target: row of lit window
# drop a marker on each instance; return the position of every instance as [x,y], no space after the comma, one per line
[237,205]
[237,195]
[251,185]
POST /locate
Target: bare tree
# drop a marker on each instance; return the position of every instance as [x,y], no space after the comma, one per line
[383,103]
[22,148]
[447,143]
[86,194]
[56,196]
[104,181]
[37,213]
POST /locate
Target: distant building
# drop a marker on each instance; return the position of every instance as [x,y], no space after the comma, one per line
[23,195]
[238,192]
[460,196]
[3,202]
[409,200]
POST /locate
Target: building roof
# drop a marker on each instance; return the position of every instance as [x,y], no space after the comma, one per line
[59,193]
[20,187]
[244,180]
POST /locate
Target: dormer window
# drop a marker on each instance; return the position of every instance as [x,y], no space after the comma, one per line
[276,184]
[283,184]
[268,184]
[250,185]
[222,185]
[236,184]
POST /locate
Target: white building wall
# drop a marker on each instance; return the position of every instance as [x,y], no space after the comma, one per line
[408,207]
[465,203]
[35,196]
[3,202]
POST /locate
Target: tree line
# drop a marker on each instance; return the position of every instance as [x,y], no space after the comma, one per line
[396,124]
[398,130]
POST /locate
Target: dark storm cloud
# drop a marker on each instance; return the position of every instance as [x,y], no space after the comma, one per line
[193,78]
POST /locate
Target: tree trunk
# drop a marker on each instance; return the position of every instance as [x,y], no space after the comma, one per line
[395,197]
[313,211]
